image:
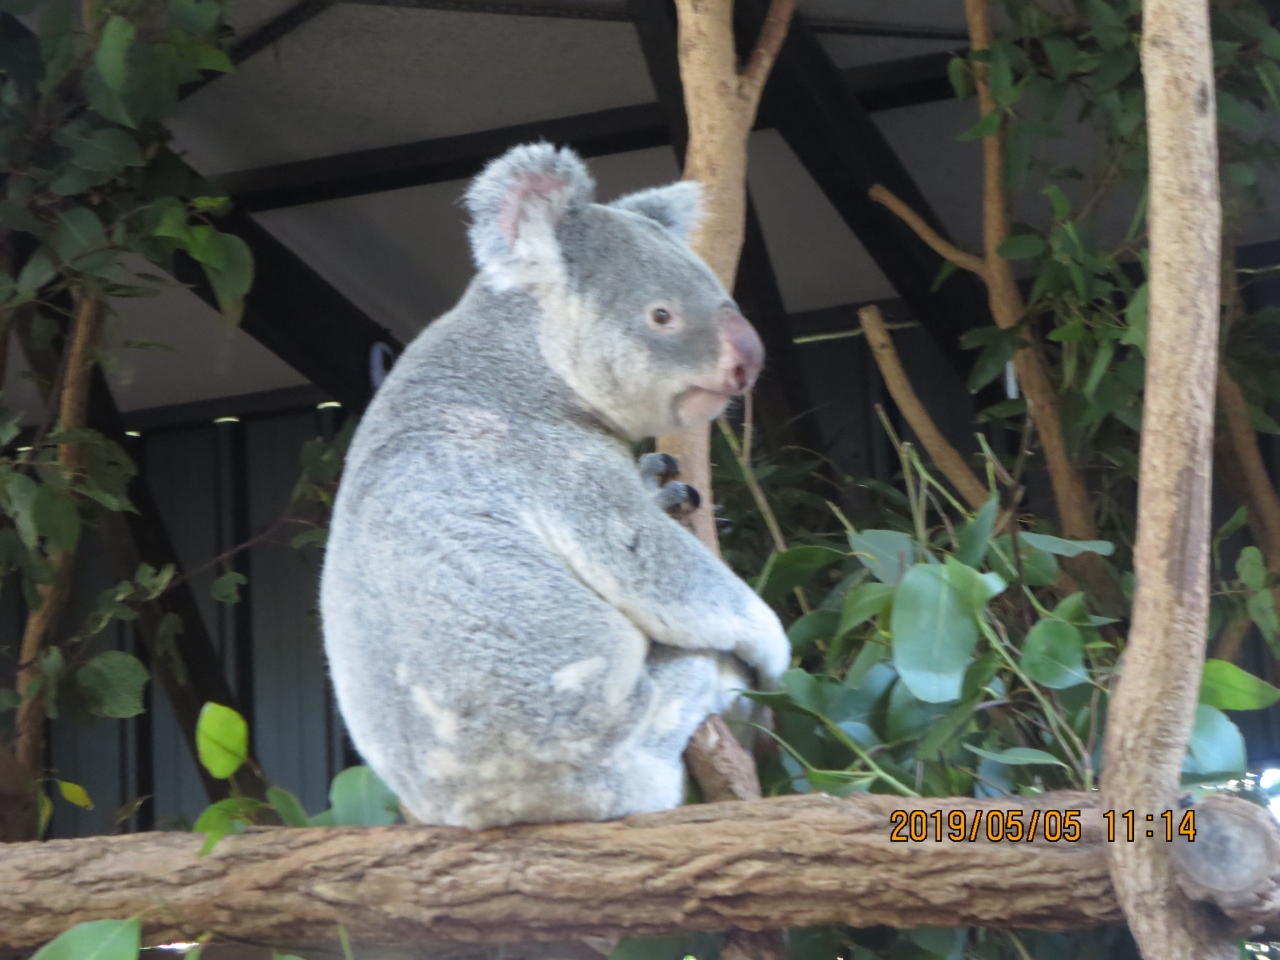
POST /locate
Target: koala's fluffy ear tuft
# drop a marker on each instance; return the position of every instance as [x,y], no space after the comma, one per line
[677,206]
[515,204]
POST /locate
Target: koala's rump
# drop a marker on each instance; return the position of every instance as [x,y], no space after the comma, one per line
[504,688]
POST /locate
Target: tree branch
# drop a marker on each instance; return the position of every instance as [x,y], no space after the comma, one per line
[760,865]
[1154,703]
[773,32]
[73,399]
[943,248]
[944,455]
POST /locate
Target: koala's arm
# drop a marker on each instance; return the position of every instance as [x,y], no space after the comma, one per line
[655,572]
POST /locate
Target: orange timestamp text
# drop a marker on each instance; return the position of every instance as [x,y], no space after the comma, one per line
[917,826]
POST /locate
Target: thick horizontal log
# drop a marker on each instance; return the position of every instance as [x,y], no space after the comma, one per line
[756,865]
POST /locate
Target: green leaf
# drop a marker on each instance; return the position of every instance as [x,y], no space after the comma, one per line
[1058,200]
[862,603]
[1022,246]
[79,232]
[287,806]
[95,940]
[317,536]
[222,740]
[1039,567]
[74,793]
[232,280]
[1241,174]
[1018,756]
[1216,745]
[1227,687]
[933,634]
[195,16]
[1098,369]
[115,681]
[9,699]
[991,363]
[973,537]
[107,151]
[975,589]
[1053,655]
[1262,608]
[226,589]
[360,799]
[961,76]
[1236,521]
[886,553]
[1251,569]
[1061,53]
[988,126]
[1135,315]
[1067,548]
[226,816]
[813,626]
[56,518]
[1238,114]
[1269,76]
[22,492]
[112,57]
[36,272]
[789,569]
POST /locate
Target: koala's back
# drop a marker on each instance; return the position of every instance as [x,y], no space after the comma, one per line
[478,676]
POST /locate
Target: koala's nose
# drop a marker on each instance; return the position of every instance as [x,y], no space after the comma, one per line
[742,352]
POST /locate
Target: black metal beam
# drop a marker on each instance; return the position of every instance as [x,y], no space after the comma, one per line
[883,86]
[603,132]
[302,318]
[846,154]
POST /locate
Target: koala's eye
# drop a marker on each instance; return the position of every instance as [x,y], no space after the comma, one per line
[661,317]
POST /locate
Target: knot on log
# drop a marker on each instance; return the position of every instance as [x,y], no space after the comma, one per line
[1234,861]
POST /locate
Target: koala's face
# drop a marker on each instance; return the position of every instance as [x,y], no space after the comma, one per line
[633,321]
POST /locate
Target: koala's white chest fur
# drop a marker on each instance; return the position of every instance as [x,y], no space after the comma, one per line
[516,631]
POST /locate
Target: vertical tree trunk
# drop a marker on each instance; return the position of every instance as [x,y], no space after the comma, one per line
[1154,702]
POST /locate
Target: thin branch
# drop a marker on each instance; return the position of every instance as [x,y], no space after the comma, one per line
[772,35]
[1260,492]
[944,455]
[943,248]
[72,401]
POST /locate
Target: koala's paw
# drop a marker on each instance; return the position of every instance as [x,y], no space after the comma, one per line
[768,650]
[658,469]
[678,499]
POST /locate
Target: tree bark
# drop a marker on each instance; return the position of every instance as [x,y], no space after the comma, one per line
[757,865]
[1154,703]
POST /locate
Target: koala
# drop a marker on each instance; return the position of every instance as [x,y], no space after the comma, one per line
[516,628]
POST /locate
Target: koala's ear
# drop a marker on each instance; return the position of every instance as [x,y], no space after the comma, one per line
[677,206]
[515,205]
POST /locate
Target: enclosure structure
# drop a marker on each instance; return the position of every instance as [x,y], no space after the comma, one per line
[346,136]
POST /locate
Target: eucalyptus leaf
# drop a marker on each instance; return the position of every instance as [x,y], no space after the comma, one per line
[1216,745]
[973,537]
[886,553]
[933,634]
[360,799]
[1053,655]
[95,940]
[76,794]
[1251,568]
[1022,246]
[1067,548]
[1018,757]
[862,603]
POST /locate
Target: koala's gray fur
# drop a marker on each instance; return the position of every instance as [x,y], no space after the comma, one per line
[516,630]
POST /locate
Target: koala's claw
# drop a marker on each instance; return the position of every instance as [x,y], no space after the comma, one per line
[678,499]
[658,469]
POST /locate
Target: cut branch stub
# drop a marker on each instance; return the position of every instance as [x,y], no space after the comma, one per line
[1234,861]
